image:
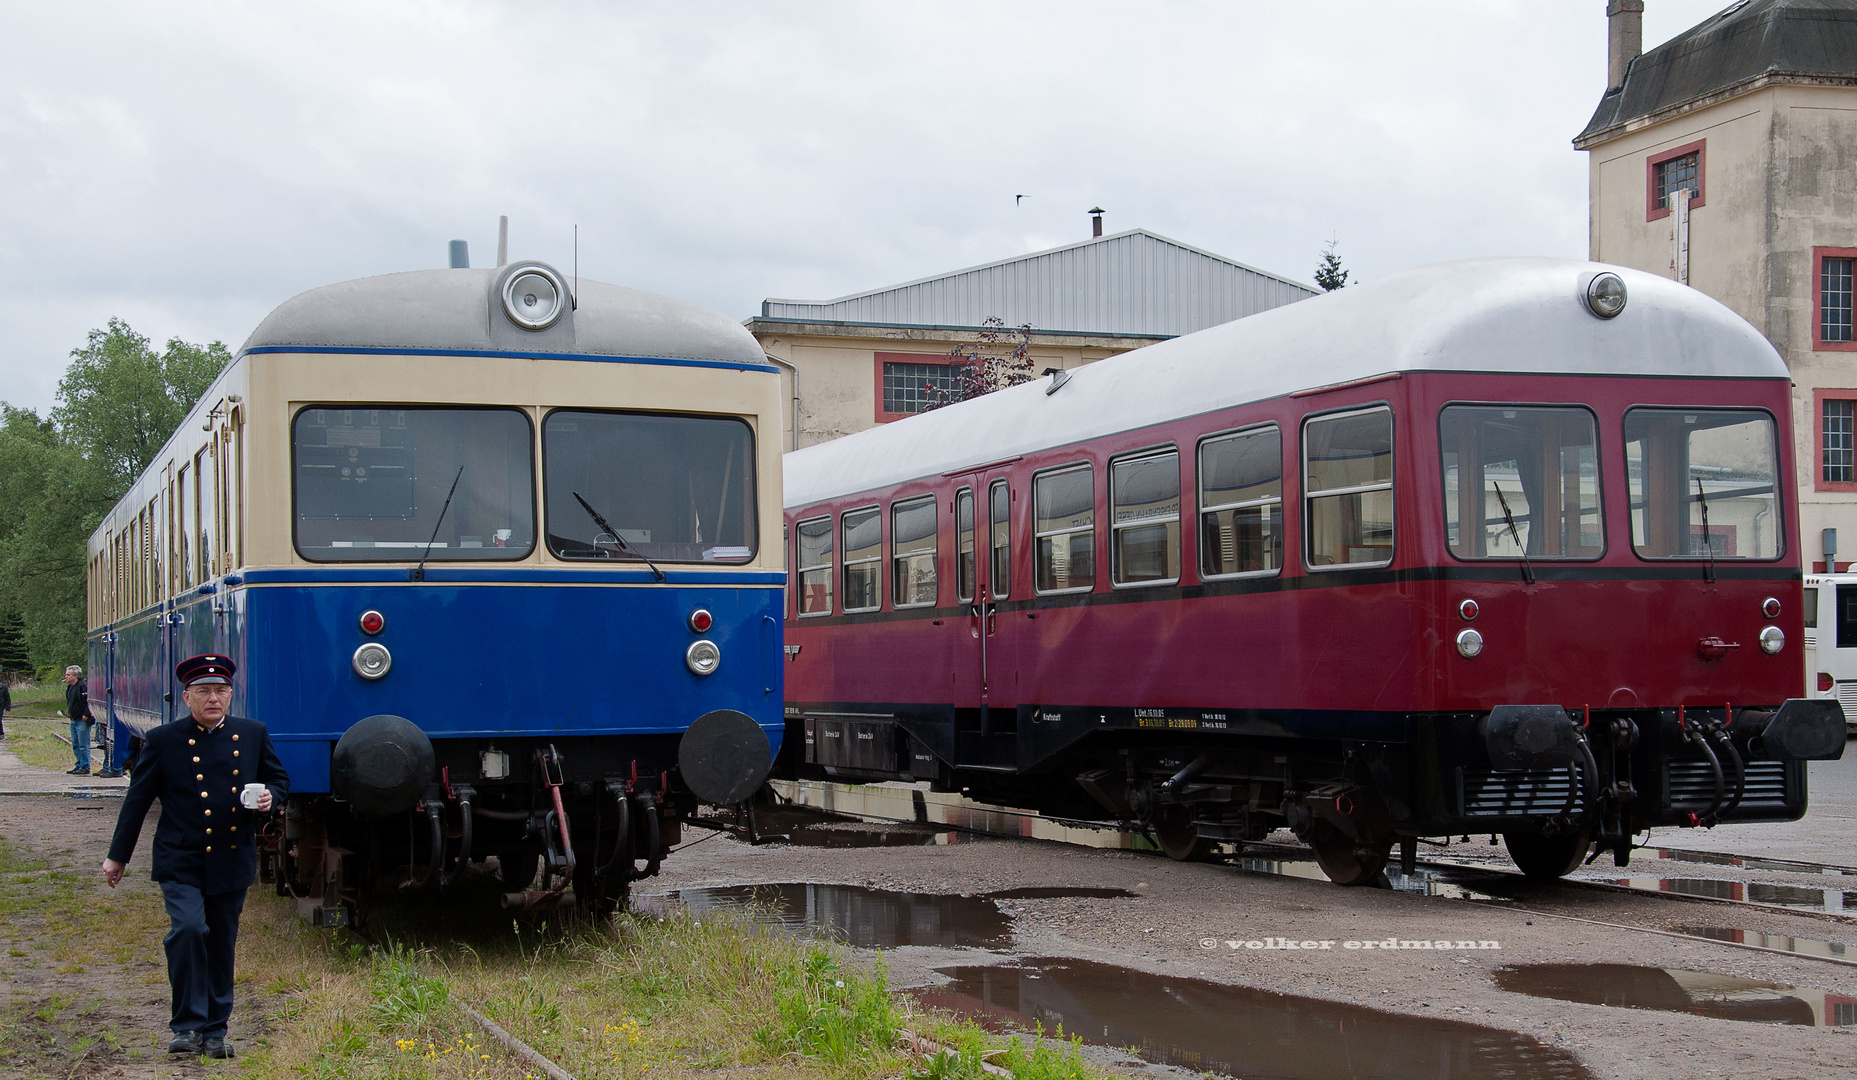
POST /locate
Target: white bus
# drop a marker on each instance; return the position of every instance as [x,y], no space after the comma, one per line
[1831,640]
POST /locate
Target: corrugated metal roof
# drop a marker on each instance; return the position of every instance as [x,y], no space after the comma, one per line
[1134,283]
[1812,39]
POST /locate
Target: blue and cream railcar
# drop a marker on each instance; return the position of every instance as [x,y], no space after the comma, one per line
[493,557]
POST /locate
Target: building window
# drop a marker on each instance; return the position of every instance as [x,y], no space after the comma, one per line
[1831,299]
[1672,171]
[1835,450]
[909,383]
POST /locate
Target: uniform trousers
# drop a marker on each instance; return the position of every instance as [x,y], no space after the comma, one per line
[204,932]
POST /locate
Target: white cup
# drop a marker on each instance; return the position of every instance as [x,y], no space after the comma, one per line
[251,795]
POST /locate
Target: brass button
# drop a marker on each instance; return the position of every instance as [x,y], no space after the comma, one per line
[199,776]
[209,813]
[235,791]
[196,758]
[209,832]
[235,753]
[235,828]
[209,847]
[203,794]
[189,742]
[235,738]
[235,772]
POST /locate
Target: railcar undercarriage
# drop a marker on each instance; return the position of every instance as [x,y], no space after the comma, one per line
[1560,785]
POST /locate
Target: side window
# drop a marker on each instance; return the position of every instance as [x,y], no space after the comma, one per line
[1348,489]
[815,561]
[183,528]
[1144,519]
[1846,614]
[964,563]
[1811,608]
[999,542]
[912,553]
[1241,503]
[1065,529]
[861,538]
[1704,483]
[1520,481]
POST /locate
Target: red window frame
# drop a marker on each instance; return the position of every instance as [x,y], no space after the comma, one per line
[1819,344]
[1652,210]
[1820,395]
[882,358]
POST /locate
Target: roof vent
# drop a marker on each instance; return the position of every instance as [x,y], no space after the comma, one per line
[460,255]
[1058,378]
[1096,221]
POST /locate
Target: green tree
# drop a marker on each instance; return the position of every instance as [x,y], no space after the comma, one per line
[1329,274]
[117,404]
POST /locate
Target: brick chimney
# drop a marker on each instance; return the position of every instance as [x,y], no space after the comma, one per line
[1624,38]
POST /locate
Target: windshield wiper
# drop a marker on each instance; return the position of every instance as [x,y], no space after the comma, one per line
[614,533]
[1528,571]
[419,572]
[1702,500]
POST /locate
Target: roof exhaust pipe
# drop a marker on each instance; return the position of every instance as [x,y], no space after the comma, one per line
[1096,222]
[460,255]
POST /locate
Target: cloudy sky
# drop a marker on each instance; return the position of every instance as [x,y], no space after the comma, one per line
[187,166]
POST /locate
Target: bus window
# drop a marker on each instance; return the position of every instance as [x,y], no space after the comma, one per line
[1521,481]
[1847,616]
[1241,503]
[371,484]
[815,564]
[999,532]
[965,567]
[912,553]
[1144,519]
[1703,483]
[861,536]
[1065,529]
[1348,489]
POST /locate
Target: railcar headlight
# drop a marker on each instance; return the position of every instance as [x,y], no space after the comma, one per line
[372,660]
[1772,640]
[1605,295]
[532,297]
[1469,644]
[703,657]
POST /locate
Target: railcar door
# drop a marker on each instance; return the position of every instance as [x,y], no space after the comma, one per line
[986,708]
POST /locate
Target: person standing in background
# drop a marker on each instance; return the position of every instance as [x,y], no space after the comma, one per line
[6,703]
[77,709]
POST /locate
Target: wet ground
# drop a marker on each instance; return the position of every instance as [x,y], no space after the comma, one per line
[1221,969]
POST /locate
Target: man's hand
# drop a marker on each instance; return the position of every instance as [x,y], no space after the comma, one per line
[264,802]
[113,871]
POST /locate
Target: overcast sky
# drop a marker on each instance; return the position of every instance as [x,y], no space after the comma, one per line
[188,166]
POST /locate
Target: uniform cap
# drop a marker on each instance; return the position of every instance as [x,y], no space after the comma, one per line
[207,669]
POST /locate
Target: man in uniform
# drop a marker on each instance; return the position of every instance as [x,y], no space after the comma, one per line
[206,844]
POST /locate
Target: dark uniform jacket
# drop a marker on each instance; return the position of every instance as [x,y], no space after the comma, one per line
[206,837]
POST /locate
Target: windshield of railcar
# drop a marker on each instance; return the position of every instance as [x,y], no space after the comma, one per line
[1521,481]
[1703,483]
[668,488]
[372,484]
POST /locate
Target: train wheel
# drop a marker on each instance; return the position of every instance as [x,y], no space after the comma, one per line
[1179,837]
[1545,858]
[1346,861]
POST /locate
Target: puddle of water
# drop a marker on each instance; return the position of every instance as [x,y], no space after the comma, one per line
[1788,866]
[1059,892]
[1789,896]
[1802,946]
[1722,997]
[864,918]
[1237,1030]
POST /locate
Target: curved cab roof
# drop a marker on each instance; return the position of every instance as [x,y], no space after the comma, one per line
[461,310]
[1507,315]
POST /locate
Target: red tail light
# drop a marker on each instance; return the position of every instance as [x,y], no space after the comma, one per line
[1825,682]
[700,621]
[372,622]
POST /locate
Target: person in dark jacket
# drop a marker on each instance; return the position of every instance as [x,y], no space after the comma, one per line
[206,845]
[6,705]
[77,709]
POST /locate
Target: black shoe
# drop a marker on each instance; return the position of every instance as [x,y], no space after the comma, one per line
[218,1047]
[109,774]
[77,772]
[185,1042]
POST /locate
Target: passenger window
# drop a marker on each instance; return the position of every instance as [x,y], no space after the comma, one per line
[999,527]
[1702,481]
[1241,503]
[964,557]
[1144,519]
[815,559]
[1520,481]
[912,553]
[1348,483]
[1846,615]
[861,536]
[1065,529]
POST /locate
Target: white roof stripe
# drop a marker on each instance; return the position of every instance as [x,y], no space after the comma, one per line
[1517,315]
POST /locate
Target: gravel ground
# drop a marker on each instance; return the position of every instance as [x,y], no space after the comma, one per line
[1178,909]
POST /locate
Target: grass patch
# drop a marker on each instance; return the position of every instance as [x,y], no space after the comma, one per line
[39,742]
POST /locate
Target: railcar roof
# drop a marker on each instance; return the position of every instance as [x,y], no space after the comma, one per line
[461,310]
[1504,315]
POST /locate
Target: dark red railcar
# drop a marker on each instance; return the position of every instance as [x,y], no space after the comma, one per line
[1504,546]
